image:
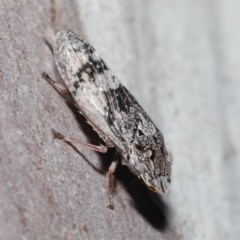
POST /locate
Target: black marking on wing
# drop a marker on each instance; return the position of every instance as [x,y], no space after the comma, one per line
[88,49]
[98,65]
[121,102]
[79,75]
[120,95]
[76,84]
[89,69]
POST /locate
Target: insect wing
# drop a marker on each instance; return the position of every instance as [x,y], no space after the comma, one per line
[87,79]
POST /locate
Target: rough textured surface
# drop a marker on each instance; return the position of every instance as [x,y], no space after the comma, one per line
[181,60]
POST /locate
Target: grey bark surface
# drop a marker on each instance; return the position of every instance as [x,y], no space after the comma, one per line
[181,61]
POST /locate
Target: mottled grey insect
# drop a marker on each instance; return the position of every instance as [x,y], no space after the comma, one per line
[112,112]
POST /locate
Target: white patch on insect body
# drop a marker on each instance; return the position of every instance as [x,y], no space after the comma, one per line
[85,77]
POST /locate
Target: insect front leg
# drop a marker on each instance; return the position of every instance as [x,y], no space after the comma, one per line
[111,171]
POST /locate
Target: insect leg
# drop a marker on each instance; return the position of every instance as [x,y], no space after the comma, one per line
[96,148]
[61,89]
[111,171]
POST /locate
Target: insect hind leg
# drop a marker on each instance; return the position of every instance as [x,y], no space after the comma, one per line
[101,149]
[96,148]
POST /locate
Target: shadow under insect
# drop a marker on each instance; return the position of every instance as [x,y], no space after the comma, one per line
[149,204]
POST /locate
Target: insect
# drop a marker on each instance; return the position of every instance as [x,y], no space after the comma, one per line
[112,112]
